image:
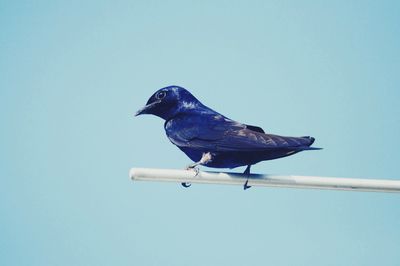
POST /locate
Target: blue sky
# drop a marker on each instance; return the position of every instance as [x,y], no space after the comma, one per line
[73,74]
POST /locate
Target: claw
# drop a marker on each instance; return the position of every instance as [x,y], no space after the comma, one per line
[195,169]
[247,172]
[245,186]
[206,157]
[186,185]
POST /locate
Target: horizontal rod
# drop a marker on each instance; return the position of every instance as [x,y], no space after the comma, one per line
[291,181]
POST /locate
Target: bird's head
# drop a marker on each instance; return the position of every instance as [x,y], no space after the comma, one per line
[169,101]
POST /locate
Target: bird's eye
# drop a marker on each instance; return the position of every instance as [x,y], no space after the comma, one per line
[161,95]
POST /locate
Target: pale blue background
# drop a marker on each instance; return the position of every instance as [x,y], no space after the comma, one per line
[72,75]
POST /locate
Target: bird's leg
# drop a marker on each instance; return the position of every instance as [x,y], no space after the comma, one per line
[247,172]
[205,158]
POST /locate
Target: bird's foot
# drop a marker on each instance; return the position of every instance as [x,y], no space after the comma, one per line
[247,172]
[206,157]
[186,185]
[246,186]
[194,168]
[196,171]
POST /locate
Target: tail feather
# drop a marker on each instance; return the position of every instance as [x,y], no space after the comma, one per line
[311,149]
[310,142]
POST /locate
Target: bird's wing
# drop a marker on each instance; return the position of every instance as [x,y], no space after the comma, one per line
[248,140]
[227,135]
[255,128]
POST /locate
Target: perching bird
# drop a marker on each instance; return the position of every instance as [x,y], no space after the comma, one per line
[213,140]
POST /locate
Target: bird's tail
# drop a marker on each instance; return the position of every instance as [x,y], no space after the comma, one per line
[310,141]
[311,149]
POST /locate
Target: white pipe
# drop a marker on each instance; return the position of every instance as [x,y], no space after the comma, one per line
[292,181]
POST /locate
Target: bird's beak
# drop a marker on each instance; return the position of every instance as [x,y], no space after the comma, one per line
[147,109]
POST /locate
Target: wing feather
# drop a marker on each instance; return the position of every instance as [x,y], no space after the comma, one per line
[227,135]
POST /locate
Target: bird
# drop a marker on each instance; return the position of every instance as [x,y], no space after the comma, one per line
[211,139]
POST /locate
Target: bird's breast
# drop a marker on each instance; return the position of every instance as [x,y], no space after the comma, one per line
[175,132]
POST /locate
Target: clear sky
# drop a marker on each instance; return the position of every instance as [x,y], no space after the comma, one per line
[73,73]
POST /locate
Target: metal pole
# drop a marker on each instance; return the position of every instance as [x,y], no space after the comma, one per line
[291,181]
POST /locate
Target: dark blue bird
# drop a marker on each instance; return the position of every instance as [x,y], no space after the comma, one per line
[211,139]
